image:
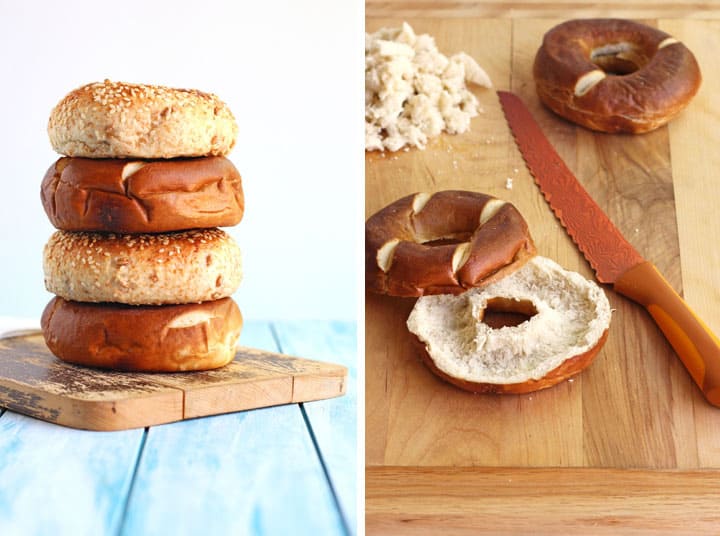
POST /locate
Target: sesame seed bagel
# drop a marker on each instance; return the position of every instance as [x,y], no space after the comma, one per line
[141,196]
[567,324]
[142,269]
[164,338]
[120,120]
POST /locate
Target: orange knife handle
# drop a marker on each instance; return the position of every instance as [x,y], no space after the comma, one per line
[697,347]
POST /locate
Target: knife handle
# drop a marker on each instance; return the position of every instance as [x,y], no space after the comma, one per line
[697,347]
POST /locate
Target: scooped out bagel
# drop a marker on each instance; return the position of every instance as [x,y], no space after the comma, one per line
[443,243]
[568,324]
[614,75]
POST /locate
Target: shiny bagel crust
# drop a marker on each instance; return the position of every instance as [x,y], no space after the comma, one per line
[121,120]
[138,196]
[142,269]
[443,243]
[166,338]
[571,79]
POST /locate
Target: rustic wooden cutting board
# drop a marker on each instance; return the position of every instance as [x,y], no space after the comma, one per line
[635,407]
[35,383]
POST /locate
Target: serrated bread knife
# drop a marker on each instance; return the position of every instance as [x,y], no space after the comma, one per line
[613,258]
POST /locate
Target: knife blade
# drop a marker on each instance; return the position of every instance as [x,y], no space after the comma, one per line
[612,257]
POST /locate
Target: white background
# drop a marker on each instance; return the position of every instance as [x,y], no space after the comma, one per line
[290,72]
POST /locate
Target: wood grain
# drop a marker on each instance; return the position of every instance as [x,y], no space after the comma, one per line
[401,500]
[694,142]
[634,419]
[34,382]
[539,8]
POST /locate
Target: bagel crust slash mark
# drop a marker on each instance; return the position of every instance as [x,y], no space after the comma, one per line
[569,326]
[444,242]
[614,75]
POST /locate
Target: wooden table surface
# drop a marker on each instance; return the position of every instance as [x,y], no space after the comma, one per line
[565,9]
[288,469]
[628,447]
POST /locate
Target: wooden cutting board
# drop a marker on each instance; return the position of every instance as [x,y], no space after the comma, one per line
[35,383]
[635,407]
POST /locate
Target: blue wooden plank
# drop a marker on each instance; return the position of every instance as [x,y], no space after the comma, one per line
[333,422]
[253,472]
[57,480]
[258,334]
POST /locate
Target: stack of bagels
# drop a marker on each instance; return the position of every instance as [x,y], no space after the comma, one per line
[464,254]
[141,271]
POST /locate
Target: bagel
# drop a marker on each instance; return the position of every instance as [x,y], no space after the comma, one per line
[142,269]
[614,75]
[131,196]
[164,338]
[120,120]
[568,324]
[443,243]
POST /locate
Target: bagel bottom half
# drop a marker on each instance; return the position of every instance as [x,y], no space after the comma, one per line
[567,323]
[152,338]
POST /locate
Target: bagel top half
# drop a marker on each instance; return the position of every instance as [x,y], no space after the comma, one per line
[121,120]
[443,243]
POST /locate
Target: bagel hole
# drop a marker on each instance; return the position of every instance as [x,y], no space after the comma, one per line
[617,59]
[504,312]
[442,242]
[454,239]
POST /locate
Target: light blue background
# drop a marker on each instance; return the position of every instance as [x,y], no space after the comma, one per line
[290,72]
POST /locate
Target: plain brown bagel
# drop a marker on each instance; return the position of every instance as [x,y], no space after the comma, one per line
[142,196]
[614,75]
[443,243]
[166,338]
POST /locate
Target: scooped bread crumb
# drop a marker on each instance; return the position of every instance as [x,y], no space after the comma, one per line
[413,92]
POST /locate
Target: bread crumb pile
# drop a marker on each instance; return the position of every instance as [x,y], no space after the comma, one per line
[413,92]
